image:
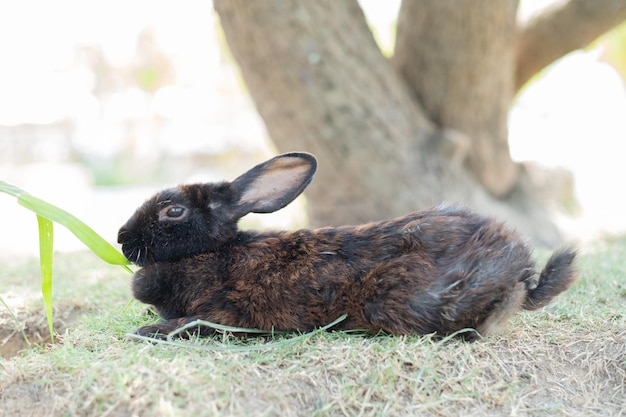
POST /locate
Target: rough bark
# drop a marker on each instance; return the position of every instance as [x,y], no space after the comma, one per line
[332,94]
[456,57]
[321,85]
[562,28]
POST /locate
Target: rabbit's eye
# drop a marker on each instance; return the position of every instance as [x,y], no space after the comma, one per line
[172,213]
[175,212]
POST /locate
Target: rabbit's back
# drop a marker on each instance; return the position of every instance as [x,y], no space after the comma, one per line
[442,268]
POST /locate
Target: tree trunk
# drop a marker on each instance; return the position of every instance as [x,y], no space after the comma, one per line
[390,141]
[457,59]
[335,95]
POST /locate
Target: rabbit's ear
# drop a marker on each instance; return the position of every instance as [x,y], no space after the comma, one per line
[273,184]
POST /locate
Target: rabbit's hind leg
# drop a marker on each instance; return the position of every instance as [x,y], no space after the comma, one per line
[510,304]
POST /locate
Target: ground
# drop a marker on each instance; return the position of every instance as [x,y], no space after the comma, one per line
[568,359]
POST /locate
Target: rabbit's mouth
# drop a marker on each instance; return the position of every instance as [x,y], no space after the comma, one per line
[137,255]
[133,248]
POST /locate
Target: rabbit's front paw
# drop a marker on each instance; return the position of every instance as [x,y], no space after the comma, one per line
[155,331]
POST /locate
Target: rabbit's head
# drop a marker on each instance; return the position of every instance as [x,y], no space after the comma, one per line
[198,218]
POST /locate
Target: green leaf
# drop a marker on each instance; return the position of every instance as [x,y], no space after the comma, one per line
[46,237]
[11,189]
[84,233]
[46,214]
[91,239]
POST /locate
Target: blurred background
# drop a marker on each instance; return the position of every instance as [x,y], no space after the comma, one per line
[103,103]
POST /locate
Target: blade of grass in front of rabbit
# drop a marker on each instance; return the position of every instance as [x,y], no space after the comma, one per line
[84,233]
[46,237]
[46,213]
[7,188]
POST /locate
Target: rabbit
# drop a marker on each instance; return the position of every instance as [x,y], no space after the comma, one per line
[434,271]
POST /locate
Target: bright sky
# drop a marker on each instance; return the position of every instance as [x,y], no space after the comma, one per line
[40,78]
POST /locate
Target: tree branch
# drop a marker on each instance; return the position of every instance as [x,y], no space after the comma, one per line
[560,29]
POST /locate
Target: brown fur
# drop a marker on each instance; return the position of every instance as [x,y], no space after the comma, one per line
[439,270]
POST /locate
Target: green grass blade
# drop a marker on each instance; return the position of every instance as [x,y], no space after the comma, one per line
[84,233]
[46,214]
[46,237]
[11,189]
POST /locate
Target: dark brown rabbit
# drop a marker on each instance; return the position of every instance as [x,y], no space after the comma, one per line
[439,270]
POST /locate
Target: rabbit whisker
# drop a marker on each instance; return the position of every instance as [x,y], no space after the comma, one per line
[451,286]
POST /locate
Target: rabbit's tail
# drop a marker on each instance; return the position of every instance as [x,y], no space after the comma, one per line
[558,274]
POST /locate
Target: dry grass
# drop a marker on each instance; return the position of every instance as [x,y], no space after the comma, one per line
[567,360]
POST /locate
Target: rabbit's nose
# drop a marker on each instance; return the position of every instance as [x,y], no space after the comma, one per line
[123,236]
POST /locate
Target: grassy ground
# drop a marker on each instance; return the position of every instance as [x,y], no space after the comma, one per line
[566,360]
